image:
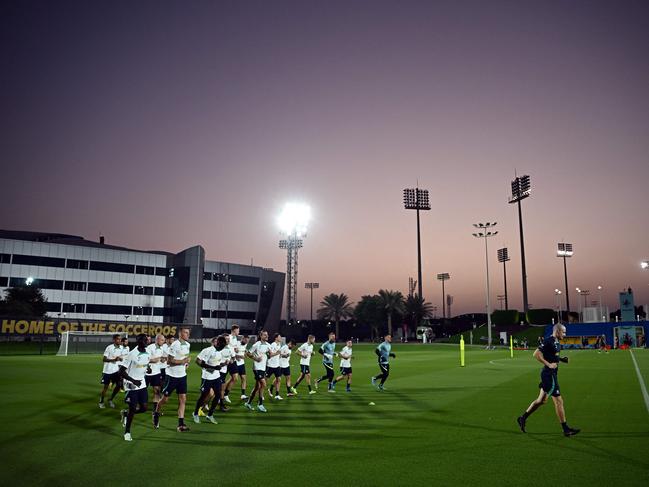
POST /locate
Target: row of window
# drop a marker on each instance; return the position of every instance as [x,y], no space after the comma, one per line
[219,276]
[250,298]
[99,287]
[107,309]
[235,315]
[84,265]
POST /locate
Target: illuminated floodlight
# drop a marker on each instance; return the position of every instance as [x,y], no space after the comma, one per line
[564,250]
[644,264]
[294,219]
[29,281]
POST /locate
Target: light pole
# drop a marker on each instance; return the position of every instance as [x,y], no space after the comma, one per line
[501,299]
[564,250]
[521,190]
[503,256]
[445,276]
[293,222]
[417,199]
[486,233]
[557,293]
[601,306]
[311,286]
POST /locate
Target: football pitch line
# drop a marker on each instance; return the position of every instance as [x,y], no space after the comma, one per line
[643,387]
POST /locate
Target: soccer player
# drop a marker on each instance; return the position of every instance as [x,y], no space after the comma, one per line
[305,351]
[177,361]
[169,339]
[328,352]
[154,376]
[259,353]
[384,352]
[548,354]
[110,373]
[210,360]
[285,366]
[602,344]
[239,358]
[272,367]
[346,365]
[236,364]
[133,370]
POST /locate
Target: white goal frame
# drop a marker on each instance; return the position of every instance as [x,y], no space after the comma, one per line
[65,338]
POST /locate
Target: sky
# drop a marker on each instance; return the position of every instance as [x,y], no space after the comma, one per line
[164,125]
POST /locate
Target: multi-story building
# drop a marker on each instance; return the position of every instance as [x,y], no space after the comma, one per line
[88,280]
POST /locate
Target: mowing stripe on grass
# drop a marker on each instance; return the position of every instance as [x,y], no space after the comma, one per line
[643,387]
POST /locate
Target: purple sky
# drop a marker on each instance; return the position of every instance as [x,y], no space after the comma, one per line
[169,124]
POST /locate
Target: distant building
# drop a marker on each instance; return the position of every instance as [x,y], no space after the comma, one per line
[82,279]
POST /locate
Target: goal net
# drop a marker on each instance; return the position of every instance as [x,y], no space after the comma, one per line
[85,342]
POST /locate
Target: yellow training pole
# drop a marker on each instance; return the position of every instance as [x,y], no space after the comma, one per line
[461,350]
[511,346]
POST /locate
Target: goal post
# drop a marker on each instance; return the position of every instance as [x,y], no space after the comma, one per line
[75,342]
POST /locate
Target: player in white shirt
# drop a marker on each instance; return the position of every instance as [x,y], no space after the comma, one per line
[110,373]
[237,366]
[133,370]
[240,363]
[305,351]
[345,365]
[228,358]
[259,354]
[285,366]
[169,339]
[210,360]
[177,362]
[272,366]
[156,359]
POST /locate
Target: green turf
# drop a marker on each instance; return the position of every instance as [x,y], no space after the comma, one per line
[437,424]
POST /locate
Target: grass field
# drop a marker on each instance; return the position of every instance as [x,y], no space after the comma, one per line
[436,424]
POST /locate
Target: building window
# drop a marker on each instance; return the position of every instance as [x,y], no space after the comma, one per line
[76,264]
[53,307]
[207,276]
[102,287]
[162,311]
[244,279]
[145,290]
[108,309]
[250,298]
[73,308]
[4,281]
[40,283]
[111,267]
[207,295]
[74,286]
[5,258]
[142,310]
[39,261]
[145,269]
[164,291]
[161,271]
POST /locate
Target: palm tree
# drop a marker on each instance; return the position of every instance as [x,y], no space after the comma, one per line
[392,302]
[335,307]
[417,309]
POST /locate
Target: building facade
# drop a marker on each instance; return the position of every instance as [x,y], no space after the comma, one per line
[82,279]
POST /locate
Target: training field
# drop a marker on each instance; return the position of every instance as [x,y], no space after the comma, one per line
[436,424]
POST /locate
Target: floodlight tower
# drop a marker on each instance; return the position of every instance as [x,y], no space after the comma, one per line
[503,257]
[293,222]
[311,286]
[564,250]
[445,276]
[486,233]
[521,190]
[417,199]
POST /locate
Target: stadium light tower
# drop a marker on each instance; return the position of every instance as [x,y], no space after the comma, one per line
[293,222]
[557,293]
[417,199]
[564,250]
[445,276]
[311,286]
[486,233]
[503,257]
[521,190]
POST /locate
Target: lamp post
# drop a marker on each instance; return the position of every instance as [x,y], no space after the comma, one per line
[601,306]
[521,190]
[503,256]
[564,250]
[501,299]
[311,286]
[486,233]
[445,276]
[557,293]
[417,199]
[293,222]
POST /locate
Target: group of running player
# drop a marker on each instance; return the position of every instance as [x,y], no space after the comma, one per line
[162,364]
